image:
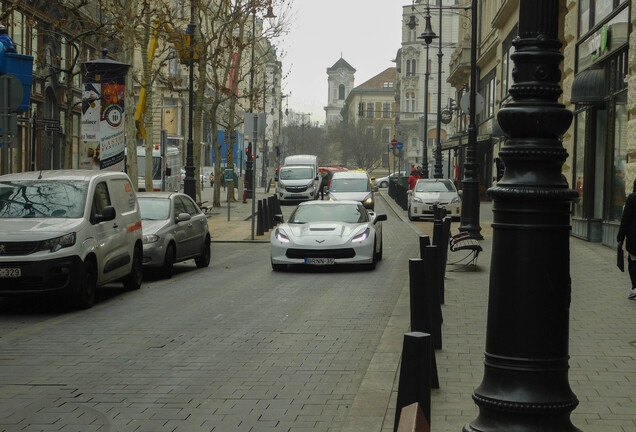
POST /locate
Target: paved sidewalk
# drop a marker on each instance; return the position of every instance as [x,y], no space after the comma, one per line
[238,227]
[602,345]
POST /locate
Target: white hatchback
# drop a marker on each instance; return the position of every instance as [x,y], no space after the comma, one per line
[68,231]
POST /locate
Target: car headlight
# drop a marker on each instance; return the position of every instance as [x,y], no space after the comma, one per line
[455,200]
[310,185]
[361,237]
[55,244]
[417,200]
[281,237]
[150,238]
[369,200]
[281,184]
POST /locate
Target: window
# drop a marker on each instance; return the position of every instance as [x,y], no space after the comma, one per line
[592,13]
[341,92]
[487,88]
[386,135]
[413,67]
[619,173]
[386,110]
[361,109]
[370,110]
[174,69]
[410,102]
[507,65]
[408,67]
[101,199]
[579,162]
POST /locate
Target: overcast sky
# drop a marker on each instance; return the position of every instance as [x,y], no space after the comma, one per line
[365,32]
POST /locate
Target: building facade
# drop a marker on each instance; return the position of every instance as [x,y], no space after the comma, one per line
[340,82]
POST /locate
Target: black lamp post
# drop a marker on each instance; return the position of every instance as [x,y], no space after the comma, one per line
[470,183]
[428,35]
[525,385]
[189,183]
[438,144]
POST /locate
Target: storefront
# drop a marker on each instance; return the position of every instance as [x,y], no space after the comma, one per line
[600,143]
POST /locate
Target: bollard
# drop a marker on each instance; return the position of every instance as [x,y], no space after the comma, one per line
[265,213]
[259,219]
[424,241]
[440,239]
[419,301]
[272,211]
[432,281]
[416,371]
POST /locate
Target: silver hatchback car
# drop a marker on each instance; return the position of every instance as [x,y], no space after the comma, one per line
[174,230]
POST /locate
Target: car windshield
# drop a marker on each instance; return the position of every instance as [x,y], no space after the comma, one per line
[434,186]
[296,173]
[42,199]
[154,208]
[347,213]
[350,185]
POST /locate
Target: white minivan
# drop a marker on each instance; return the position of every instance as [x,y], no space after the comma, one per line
[68,231]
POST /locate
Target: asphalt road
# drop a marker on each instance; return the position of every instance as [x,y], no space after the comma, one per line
[234,347]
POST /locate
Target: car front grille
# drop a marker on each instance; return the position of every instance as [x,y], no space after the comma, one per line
[296,189]
[320,253]
[18,248]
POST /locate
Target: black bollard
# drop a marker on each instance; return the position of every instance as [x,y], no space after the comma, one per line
[272,211]
[259,219]
[420,311]
[265,215]
[424,241]
[432,284]
[415,374]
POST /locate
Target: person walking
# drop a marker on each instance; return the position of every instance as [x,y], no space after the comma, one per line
[627,231]
[413,178]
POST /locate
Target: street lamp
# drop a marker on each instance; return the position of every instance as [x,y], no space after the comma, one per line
[189,183]
[428,35]
[438,144]
[470,184]
[525,383]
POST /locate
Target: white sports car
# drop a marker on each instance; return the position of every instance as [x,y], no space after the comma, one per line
[328,233]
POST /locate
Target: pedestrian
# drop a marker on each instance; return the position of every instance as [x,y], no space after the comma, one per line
[627,231]
[413,178]
[5,39]
[211,179]
[324,182]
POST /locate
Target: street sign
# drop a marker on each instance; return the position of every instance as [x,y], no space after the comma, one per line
[464,103]
[12,90]
[394,142]
[399,145]
[446,117]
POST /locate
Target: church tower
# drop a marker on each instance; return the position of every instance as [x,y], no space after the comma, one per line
[340,78]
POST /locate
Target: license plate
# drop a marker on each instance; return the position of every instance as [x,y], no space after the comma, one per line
[296,196]
[320,261]
[10,272]
[431,208]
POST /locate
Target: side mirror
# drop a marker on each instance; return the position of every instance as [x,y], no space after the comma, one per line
[108,214]
[168,171]
[380,217]
[460,193]
[183,217]
[279,218]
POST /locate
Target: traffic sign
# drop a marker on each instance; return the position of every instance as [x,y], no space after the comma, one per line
[11,90]
[394,142]
[399,145]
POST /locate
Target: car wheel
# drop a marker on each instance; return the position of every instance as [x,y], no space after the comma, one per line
[168,262]
[86,292]
[384,184]
[134,279]
[203,260]
[411,217]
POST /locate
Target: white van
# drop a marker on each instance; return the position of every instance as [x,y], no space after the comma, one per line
[166,169]
[305,160]
[297,183]
[68,231]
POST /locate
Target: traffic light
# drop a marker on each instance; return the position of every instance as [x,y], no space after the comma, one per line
[248,152]
[452,105]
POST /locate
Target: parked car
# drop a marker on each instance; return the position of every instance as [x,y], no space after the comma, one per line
[352,185]
[428,192]
[328,233]
[384,181]
[68,231]
[175,229]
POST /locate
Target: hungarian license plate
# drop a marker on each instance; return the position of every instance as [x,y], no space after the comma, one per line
[296,196]
[320,261]
[10,272]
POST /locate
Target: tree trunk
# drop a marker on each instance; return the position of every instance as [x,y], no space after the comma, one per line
[131,129]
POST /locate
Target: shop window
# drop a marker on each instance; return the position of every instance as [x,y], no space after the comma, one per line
[579,163]
[619,185]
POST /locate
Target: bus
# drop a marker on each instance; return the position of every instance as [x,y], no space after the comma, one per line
[165,170]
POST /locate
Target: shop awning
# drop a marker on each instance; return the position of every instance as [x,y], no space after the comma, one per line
[589,87]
